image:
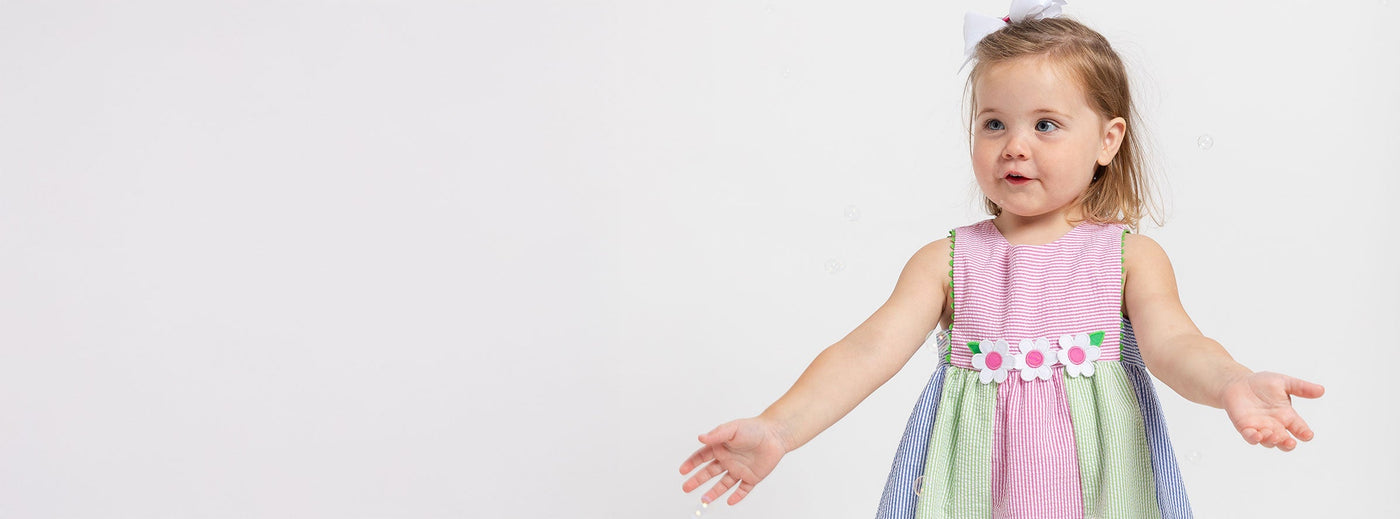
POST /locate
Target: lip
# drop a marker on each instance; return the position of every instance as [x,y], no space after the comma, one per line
[1015,181]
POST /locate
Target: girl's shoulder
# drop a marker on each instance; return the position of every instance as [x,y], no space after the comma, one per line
[1150,296]
[1142,251]
[917,304]
[932,265]
[1147,271]
[936,255]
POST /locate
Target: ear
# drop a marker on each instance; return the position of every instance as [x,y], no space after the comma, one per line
[1112,139]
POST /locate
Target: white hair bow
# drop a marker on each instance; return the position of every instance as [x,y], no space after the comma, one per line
[977,26]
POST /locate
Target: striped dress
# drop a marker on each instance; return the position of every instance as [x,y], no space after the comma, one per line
[1041,406]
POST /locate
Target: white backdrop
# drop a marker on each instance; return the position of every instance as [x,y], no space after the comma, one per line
[507,259]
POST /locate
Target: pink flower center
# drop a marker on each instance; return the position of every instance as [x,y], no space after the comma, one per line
[1076,355]
[993,360]
[1035,358]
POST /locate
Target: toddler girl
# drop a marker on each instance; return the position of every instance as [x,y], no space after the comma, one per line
[1053,313]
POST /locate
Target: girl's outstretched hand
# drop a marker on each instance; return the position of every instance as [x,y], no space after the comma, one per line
[1261,408]
[744,450]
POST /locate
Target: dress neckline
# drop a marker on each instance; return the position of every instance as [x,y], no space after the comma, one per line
[1001,238]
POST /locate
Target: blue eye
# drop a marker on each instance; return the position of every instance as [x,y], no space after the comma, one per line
[996,124]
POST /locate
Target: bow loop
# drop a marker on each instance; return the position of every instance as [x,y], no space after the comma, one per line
[977,26]
[1035,9]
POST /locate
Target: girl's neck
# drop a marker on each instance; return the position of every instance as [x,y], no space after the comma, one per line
[1035,230]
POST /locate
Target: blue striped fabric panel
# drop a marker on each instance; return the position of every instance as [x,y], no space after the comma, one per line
[1171,490]
[899,499]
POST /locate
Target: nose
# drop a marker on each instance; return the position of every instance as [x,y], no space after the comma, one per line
[1016,147]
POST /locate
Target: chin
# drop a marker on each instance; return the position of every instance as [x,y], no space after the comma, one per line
[1025,213]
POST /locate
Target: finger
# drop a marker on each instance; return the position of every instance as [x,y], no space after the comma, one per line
[1268,439]
[1303,388]
[1300,428]
[1250,434]
[718,490]
[702,455]
[705,474]
[740,493]
[1287,445]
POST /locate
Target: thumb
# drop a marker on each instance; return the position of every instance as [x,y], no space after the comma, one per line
[719,435]
[1304,388]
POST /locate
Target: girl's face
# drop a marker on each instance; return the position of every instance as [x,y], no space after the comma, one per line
[1035,124]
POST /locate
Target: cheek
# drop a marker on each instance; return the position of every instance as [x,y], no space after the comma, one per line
[984,171]
[983,159]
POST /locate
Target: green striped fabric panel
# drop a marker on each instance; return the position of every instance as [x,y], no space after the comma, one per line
[960,485]
[1115,463]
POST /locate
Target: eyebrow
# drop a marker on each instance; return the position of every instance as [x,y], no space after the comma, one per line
[1037,111]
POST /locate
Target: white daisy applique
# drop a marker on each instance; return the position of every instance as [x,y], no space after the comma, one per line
[992,358]
[1078,353]
[1035,359]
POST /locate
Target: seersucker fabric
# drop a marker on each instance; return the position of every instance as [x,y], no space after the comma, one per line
[1041,406]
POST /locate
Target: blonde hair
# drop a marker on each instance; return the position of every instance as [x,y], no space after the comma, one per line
[1119,192]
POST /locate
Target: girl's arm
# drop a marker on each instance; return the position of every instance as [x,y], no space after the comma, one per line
[745,451]
[1197,367]
[847,372]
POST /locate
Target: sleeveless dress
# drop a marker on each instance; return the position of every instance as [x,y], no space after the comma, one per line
[1041,406]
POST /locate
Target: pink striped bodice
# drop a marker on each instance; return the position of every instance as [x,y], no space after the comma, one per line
[1013,292]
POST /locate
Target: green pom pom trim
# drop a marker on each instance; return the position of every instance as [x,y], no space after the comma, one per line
[952,305]
[952,244]
[1122,292]
[974,346]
